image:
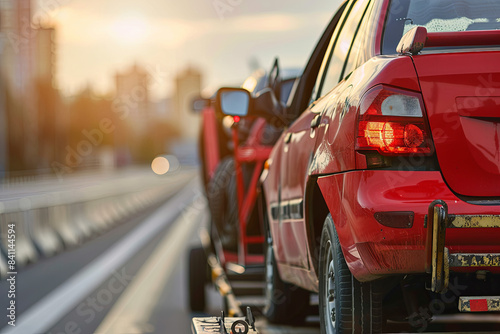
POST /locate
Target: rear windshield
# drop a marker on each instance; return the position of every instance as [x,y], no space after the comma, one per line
[438,16]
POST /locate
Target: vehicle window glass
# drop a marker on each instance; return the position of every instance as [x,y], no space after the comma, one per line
[438,16]
[285,90]
[342,47]
[359,40]
[324,64]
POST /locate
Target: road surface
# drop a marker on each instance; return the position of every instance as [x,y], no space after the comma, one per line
[133,279]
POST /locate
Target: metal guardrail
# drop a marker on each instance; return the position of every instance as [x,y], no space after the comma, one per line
[48,222]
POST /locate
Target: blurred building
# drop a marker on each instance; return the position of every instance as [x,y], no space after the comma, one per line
[52,122]
[187,88]
[132,102]
[45,62]
[30,107]
[163,109]
[3,94]
[132,90]
[16,67]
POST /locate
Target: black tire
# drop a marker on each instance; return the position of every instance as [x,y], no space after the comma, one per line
[285,303]
[222,198]
[345,304]
[197,279]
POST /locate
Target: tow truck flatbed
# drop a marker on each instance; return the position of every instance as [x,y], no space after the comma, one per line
[224,325]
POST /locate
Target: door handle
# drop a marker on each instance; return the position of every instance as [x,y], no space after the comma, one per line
[316,122]
[288,138]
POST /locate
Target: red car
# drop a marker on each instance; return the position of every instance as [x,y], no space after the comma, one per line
[383,193]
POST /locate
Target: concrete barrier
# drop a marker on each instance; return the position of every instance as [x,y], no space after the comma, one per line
[44,237]
[64,226]
[113,212]
[79,215]
[97,220]
[25,249]
[128,204]
[120,207]
[46,221]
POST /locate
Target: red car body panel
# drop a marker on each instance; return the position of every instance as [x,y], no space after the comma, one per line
[339,118]
[463,104]
[272,190]
[299,154]
[325,156]
[211,139]
[372,249]
[310,153]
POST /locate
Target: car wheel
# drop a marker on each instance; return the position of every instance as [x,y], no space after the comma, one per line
[345,304]
[197,279]
[285,303]
[222,198]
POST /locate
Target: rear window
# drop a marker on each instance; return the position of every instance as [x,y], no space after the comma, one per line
[438,16]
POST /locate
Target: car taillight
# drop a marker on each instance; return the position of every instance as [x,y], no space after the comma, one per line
[391,121]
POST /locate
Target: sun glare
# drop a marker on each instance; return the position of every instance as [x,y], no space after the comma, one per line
[130,30]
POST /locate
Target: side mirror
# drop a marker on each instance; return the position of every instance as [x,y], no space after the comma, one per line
[239,102]
[199,103]
[234,101]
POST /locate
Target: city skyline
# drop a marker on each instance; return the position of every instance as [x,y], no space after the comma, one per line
[222,38]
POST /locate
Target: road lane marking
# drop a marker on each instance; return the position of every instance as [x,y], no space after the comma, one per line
[133,310]
[48,311]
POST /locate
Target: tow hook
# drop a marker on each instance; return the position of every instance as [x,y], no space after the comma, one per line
[437,255]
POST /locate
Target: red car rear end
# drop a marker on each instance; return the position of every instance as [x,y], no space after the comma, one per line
[389,182]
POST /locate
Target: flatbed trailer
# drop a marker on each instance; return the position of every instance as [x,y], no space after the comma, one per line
[224,325]
[236,323]
[243,265]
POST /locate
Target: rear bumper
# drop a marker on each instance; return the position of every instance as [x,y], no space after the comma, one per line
[373,250]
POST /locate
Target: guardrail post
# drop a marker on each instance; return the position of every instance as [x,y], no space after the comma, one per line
[63,225]
[79,216]
[43,235]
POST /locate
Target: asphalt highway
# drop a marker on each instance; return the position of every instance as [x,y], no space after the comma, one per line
[133,279]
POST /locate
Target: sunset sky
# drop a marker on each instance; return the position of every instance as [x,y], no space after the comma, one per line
[97,38]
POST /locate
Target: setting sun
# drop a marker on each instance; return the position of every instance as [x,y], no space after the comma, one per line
[130,30]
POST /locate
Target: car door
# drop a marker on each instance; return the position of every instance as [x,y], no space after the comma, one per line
[301,137]
[277,172]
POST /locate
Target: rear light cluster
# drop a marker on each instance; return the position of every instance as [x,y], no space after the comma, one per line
[391,121]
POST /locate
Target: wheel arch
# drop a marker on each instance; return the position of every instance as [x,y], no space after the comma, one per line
[315,212]
[261,204]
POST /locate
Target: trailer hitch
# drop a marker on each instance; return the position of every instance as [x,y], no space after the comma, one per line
[437,255]
[243,326]
[221,324]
